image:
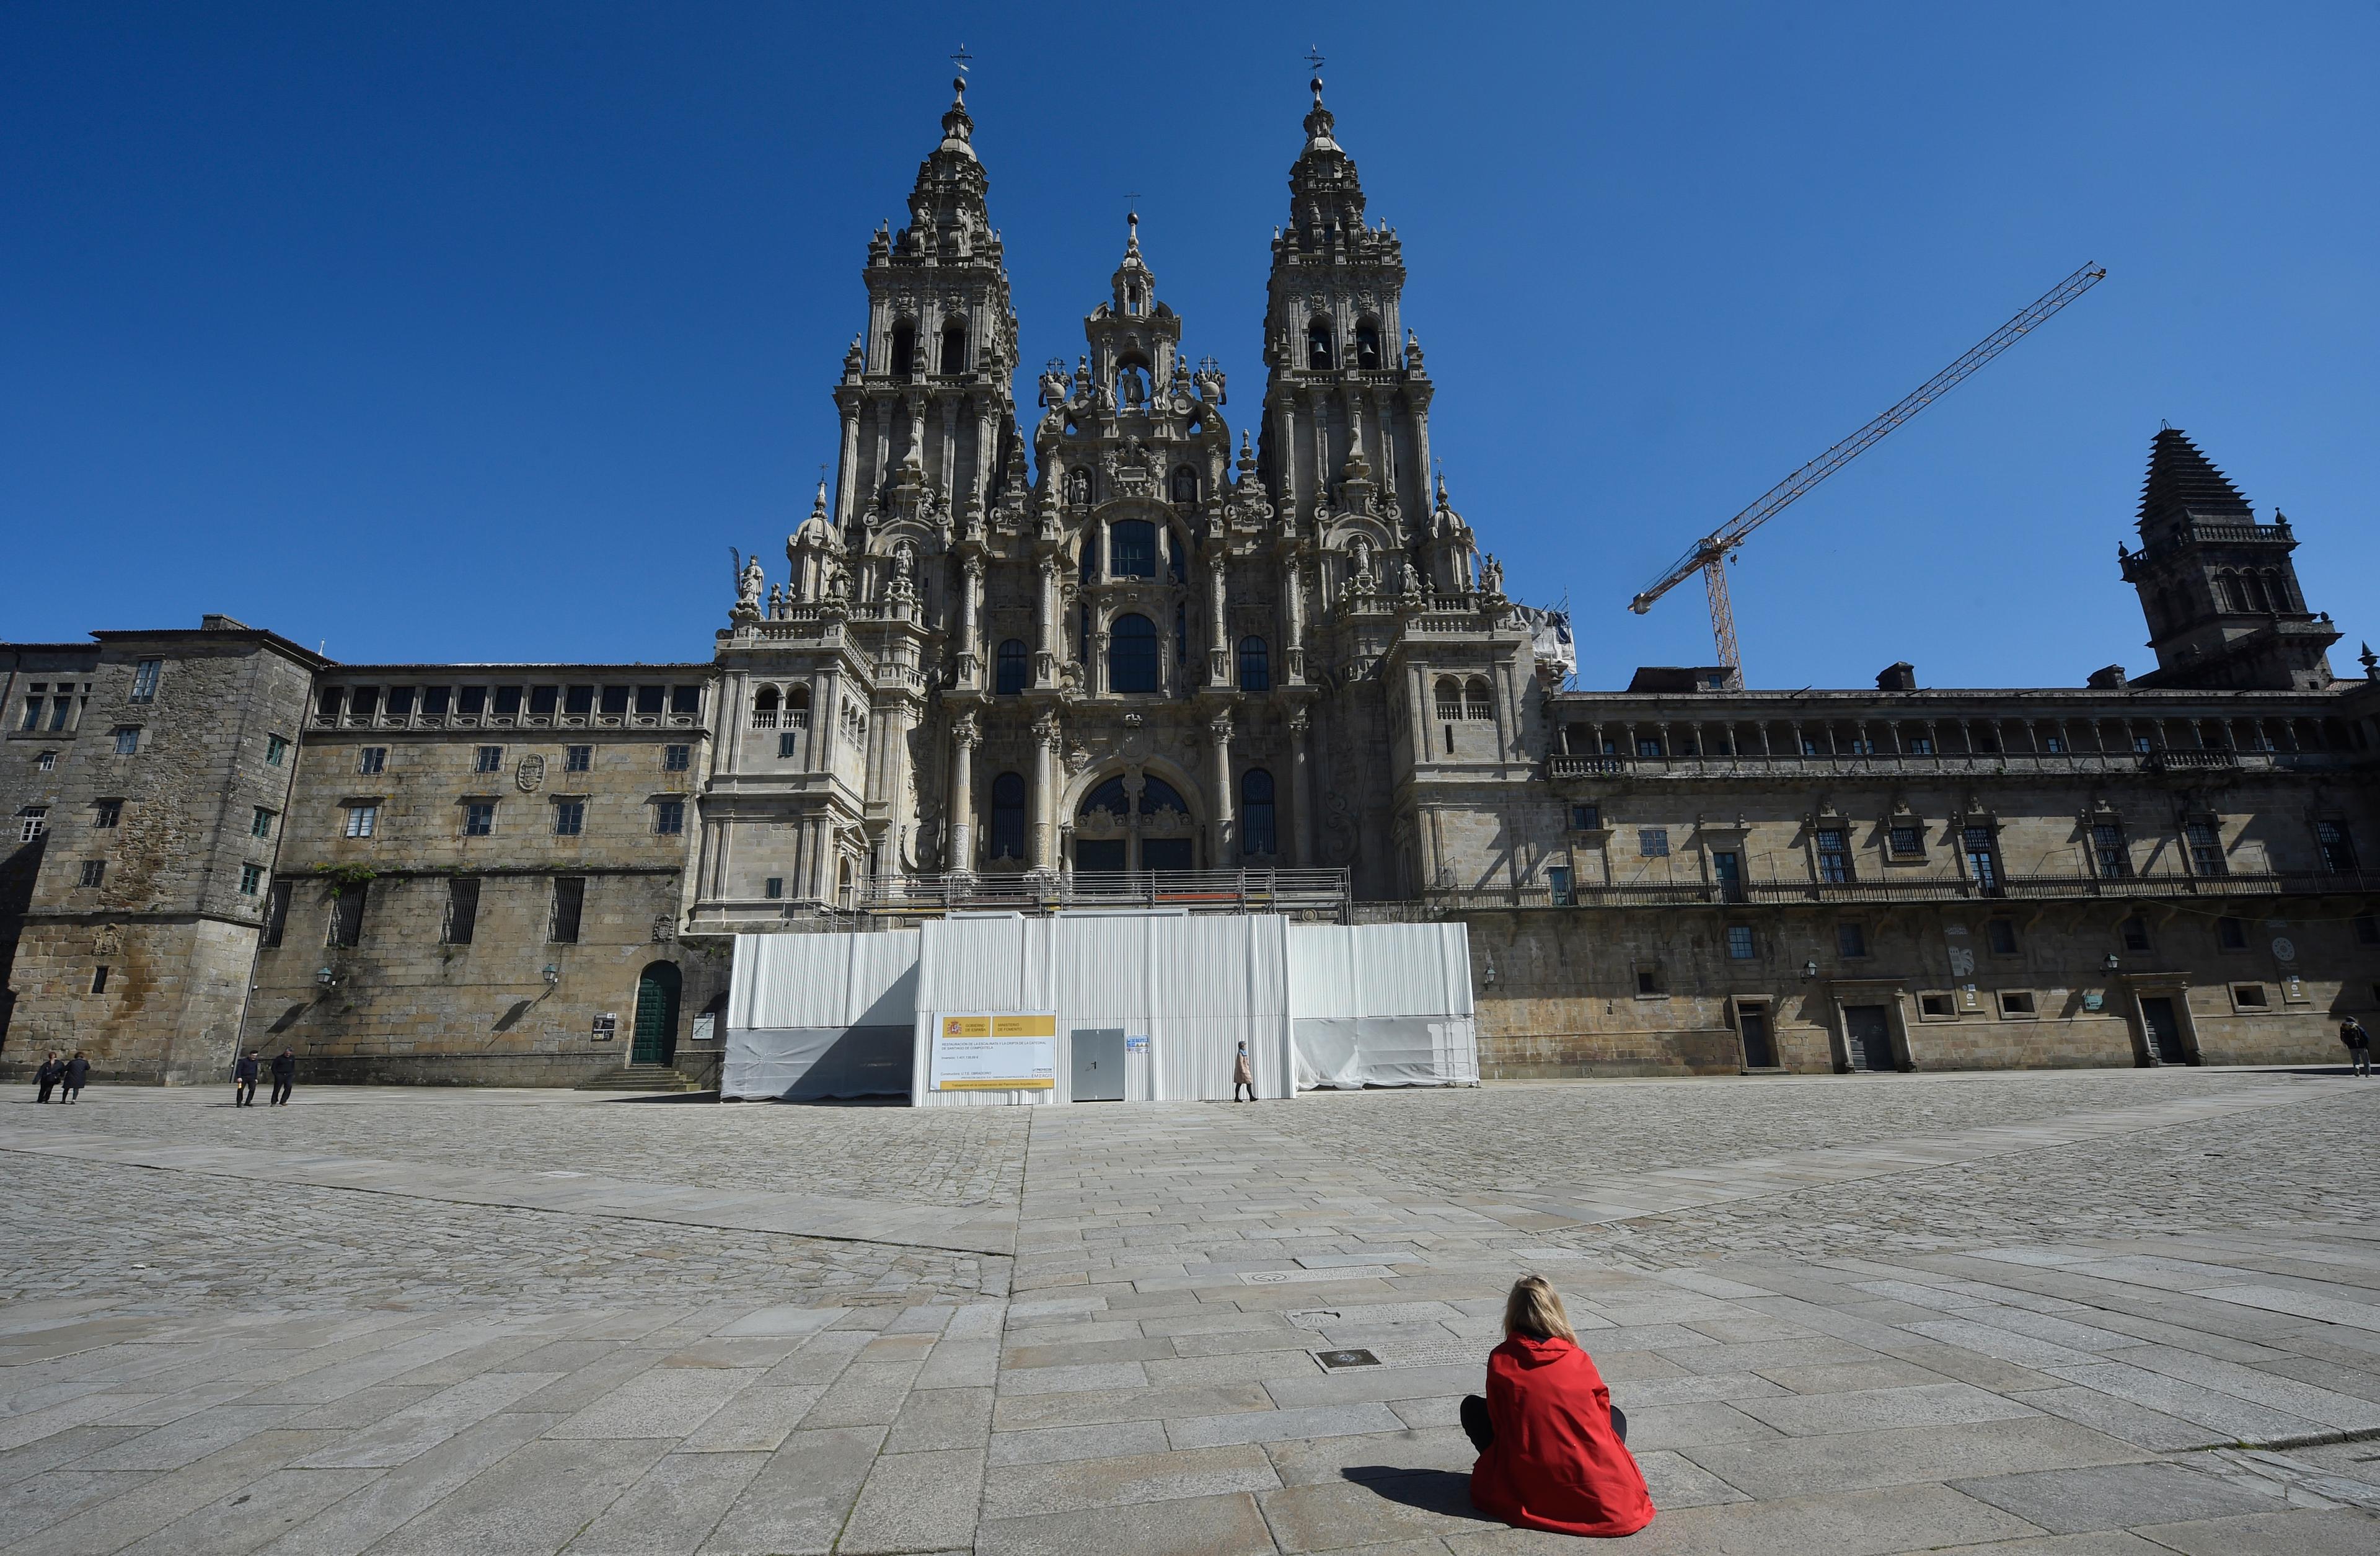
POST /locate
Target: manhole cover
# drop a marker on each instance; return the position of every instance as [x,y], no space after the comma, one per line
[1334,1360]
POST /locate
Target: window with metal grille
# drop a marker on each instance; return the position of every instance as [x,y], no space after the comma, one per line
[569,905]
[276,912]
[1653,842]
[2206,848]
[93,871]
[2338,847]
[346,925]
[669,817]
[1834,855]
[488,759]
[462,910]
[2108,846]
[569,816]
[1908,841]
[1740,943]
[144,680]
[46,763]
[1257,832]
[2136,933]
[479,818]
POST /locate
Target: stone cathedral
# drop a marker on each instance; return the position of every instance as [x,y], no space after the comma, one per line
[1111,649]
[1137,647]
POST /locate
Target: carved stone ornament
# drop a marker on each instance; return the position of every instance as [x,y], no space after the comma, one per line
[107,939]
[967,729]
[1046,730]
[530,775]
[1079,757]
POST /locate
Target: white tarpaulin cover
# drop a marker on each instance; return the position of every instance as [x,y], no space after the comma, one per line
[1194,986]
[1382,1004]
[820,1015]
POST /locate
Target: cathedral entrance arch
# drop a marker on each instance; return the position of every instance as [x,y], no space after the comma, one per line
[1135,820]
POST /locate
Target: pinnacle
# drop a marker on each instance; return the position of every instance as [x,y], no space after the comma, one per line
[2182,480]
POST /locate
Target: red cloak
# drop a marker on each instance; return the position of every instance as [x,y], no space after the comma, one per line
[1555,1462]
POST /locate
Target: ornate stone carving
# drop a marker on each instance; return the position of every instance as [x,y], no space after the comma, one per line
[530,775]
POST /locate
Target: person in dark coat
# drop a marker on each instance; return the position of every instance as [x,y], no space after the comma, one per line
[284,1076]
[2359,1045]
[243,1081]
[77,1070]
[1553,1453]
[46,1077]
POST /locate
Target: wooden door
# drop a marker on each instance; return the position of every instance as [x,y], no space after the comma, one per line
[657,992]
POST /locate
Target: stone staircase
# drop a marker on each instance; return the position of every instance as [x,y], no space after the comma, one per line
[641,1077]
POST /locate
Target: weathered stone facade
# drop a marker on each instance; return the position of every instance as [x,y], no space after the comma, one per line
[1012,657]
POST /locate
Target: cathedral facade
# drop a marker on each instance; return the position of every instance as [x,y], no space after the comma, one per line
[1108,648]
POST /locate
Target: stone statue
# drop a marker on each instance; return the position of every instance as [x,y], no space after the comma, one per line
[1491,575]
[747,586]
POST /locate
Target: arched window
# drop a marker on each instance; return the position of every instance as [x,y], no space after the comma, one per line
[1131,549]
[1475,702]
[2284,597]
[1008,817]
[1109,796]
[1013,670]
[954,348]
[797,705]
[1317,344]
[1255,666]
[1368,343]
[2256,586]
[2227,593]
[764,708]
[1133,302]
[903,352]
[1448,697]
[1156,794]
[1185,484]
[1131,654]
[1257,832]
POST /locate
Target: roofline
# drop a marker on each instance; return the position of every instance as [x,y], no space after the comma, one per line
[271,639]
[495,667]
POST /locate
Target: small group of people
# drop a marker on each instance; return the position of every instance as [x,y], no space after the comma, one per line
[2359,1045]
[61,1073]
[244,1073]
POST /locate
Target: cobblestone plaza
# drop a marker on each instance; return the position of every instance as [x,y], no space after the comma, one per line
[2081,1313]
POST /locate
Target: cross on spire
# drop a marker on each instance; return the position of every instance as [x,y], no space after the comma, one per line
[1314,57]
[962,59]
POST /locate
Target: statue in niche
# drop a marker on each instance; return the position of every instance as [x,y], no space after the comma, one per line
[1359,557]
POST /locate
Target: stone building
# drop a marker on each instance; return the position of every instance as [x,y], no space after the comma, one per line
[1111,651]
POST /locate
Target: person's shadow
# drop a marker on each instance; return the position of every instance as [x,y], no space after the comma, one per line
[1433,1490]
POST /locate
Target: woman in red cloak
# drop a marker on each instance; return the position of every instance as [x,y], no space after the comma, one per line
[1552,1451]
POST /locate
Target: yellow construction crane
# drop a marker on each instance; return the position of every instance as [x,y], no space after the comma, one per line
[1710,554]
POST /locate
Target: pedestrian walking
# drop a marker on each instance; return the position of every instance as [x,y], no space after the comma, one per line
[1553,1453]
[46,1077]
[243,1081]
[2359,1045]
[284,1076]
[77,1070]
[1244,1075]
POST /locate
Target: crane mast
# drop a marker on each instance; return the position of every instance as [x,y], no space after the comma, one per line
[1709,554]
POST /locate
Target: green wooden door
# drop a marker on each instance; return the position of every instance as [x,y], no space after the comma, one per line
[657,992]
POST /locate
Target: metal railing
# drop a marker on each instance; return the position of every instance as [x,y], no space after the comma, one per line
[2035,888]
[1306,892]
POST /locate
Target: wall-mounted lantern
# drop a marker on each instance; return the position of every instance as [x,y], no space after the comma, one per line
[552,973]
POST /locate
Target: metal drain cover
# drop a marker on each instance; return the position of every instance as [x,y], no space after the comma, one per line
[1334,1360]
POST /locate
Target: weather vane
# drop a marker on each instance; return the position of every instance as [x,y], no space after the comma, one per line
[1314,57]
[962,59]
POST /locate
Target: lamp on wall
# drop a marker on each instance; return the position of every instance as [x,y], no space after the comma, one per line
[326,976]
[552,973]
[2113,962]
[1488,976]
[1809,971]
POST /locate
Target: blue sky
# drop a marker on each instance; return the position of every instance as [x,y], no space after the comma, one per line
[481,332]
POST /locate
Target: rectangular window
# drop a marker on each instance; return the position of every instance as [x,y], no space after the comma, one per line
[1859,746]
[669,817]
[1908,842]
[31,822]
[328,703]
[578,759]
[472,701]
[2338,847]
[2367,930]
[2107,847]
[372,760]
[1558,885]
[1936,1007]
[1653,842]
[46,763]
[569,816]
[2141,743]
[2000,934]
[578,701]
[144,680]
[128,740]
[2231,934]
[362,820]
[1834,856]
[462,910]
[1739,947]
[276,912]
[676,759]
[508,701]
[32,713]
[2248,996]
[686,700]
[59,708]
[773,888]
[1586,817]
[348,913]
[1851,940]
[2206,848]
[479,818]
[1983,860]
[785,745]
[615,701]
[275,750]
[2016,1005]
[569,904]
[93,871]
[260,823]
[99,978]
[2136,933]
[400,703]
[108,813]
[1649,979]
[488,759]
[251,880]
[1647,746]
[649,701]
[2054,744]
[435,700]
[542,701]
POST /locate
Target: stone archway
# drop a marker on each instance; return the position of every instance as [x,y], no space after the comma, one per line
[1142,816]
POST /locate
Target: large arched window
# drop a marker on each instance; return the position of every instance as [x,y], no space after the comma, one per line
[1256,831]
[1131,549]
[954,346]
[764,708]
[2256,586]
[1109,796]
[1317,344]
[1008,817]
[1368,343]
[1131,654]
[1013,668]
[904,349]
[1476,701]
[1448,695]
[1156,794]
[1255,666]
[1185,484]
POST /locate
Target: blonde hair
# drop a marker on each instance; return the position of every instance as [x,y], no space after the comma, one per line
[1535,1310]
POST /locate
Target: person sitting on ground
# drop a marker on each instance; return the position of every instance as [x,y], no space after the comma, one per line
[1552,1451]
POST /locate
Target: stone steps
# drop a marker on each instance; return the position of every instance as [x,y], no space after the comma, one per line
[641,1077]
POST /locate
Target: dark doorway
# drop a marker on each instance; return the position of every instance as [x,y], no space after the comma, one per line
[1102,853]
[1759,1051]
[2164,1031]
[1729,868]
[1868,1031]
[1099,1064]
[657,991]
[1166,853]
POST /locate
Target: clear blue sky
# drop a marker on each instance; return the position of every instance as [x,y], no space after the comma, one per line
[482,332]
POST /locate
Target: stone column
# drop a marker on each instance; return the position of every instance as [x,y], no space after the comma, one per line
[846,470]
[1385,435]
[1045,626]
[883,465]
[1227,852]
[1300,801]
[1042,804]
[966,731]
[987,432]
[1318,403]
[1421,449]
[950,474]
[1287,443]
[970,614]
[1218,647]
